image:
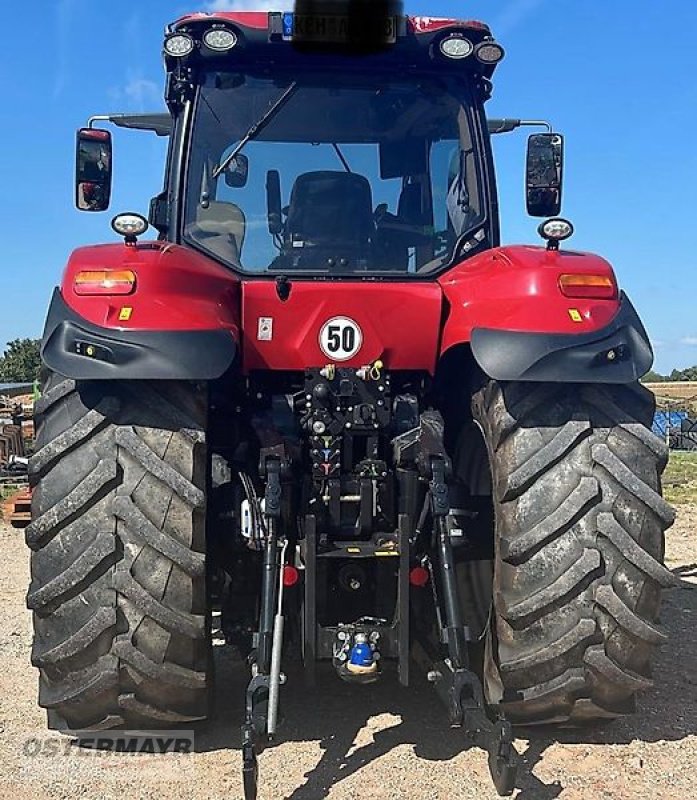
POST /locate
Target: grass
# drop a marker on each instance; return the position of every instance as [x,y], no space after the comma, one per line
[680,478]
[8,489]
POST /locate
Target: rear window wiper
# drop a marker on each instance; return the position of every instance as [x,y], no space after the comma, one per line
[255,129]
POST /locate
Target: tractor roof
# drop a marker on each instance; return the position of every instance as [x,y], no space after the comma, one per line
[259,20]
[264,37]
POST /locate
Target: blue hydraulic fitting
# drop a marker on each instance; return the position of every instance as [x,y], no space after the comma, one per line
[361,656]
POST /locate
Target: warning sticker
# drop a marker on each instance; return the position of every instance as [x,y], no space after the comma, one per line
[265,329]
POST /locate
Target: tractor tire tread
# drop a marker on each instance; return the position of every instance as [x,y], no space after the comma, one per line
[118,568]
[579,541]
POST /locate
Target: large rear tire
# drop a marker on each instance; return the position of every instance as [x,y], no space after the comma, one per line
[579,536]
[118,581]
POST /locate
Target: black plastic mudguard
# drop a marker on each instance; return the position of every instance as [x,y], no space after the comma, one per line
[76,348]
[618,353]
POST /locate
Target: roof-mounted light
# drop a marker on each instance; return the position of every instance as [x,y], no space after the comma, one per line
[219,39]
[456,46]
[489,52]
[179,45]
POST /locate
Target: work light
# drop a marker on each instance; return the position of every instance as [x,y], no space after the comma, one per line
[489,52]
[179,45]
[556,230]
[129,225]
[219,39]
[456,46]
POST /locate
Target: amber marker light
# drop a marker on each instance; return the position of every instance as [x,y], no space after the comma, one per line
[105,281]
[599,287]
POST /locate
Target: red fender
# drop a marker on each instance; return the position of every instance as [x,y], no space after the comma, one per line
[177,289]
[517,289]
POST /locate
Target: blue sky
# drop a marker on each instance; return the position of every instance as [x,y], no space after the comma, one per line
[618,78]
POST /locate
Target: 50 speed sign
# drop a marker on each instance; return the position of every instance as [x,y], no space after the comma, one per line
[340,338]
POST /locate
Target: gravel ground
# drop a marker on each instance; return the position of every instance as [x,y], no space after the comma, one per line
[343,742]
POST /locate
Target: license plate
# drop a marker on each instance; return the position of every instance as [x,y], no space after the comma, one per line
[334,29]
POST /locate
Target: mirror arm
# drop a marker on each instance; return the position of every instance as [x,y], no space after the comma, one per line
[98,118]
[509,125]
[536,123]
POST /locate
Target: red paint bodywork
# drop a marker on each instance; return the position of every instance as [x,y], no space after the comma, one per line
[177,289]
[258,20]
[507,288]
[400,323]
[516,289]
[423,24]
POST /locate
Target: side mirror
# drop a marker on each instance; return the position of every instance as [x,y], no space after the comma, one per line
[93,169]
[544,174]
[273,202]
[237,172]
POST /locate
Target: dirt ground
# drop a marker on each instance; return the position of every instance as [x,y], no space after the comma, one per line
[375,742]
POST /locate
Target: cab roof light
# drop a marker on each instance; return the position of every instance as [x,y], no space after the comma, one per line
[104,282]
[489,52]
[456,46]
[598,287]
[179,45]
[219,39]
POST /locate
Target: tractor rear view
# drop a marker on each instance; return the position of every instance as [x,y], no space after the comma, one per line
[326,407]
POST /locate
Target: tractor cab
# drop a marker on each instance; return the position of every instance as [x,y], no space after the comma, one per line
[314,162]
[292,155]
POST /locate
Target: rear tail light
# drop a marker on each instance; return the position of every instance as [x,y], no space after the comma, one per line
[105,281]
[419,577]
[290,576]
[600,287]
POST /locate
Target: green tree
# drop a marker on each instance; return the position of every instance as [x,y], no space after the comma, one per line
[689,374]
[21,361]
[653,377]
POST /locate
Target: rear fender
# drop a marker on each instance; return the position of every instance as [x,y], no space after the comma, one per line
[506,303]
[179,323]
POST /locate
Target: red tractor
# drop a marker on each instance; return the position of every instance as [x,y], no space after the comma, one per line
[326,410]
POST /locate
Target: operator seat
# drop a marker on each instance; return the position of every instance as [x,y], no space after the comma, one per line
[397,233]
[221,229]
[330,221]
